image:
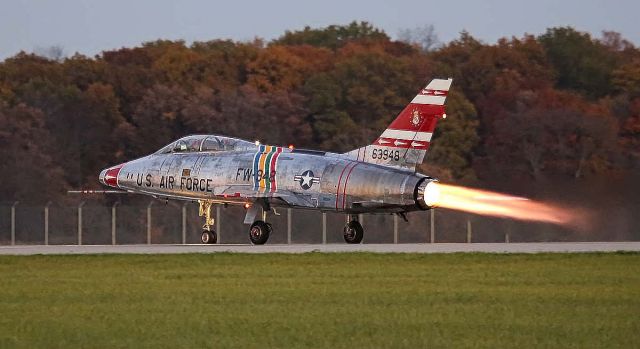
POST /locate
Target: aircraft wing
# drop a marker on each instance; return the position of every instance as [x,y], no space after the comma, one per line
[245,191]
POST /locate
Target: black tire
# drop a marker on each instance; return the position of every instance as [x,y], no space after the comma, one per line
[353,232]
[209,237]
[259,232]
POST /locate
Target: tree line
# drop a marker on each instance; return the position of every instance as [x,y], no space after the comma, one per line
[561,104]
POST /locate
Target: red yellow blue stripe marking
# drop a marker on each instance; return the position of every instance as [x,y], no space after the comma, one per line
[265,162]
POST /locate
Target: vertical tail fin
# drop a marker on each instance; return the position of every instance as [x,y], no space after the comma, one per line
[405,142]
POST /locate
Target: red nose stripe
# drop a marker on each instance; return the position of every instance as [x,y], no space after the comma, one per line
[111,176]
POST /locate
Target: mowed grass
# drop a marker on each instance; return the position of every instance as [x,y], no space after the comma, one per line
[320,301]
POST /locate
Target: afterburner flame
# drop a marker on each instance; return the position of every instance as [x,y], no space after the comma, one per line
[488,203]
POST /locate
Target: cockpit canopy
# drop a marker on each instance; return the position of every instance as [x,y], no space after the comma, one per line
[206,143]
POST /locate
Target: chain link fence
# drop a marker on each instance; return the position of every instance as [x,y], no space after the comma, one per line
[157,222]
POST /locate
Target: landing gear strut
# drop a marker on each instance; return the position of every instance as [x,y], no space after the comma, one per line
[353,231]
[209,235]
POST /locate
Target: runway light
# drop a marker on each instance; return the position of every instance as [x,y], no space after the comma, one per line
[488,203]
[247,205]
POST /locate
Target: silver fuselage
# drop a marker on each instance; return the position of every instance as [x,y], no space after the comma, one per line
[293,178]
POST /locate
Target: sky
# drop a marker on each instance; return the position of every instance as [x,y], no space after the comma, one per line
[89,27]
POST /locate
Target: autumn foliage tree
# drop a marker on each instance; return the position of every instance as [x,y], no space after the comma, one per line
[560,104]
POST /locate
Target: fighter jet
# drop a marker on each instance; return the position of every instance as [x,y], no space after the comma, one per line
[379,178]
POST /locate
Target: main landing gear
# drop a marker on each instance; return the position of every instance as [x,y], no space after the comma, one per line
[259,232]
[209,235]
[353,231]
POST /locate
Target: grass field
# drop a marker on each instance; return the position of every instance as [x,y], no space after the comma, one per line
[320,300]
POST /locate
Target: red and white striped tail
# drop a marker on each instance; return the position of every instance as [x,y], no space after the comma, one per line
[405,142]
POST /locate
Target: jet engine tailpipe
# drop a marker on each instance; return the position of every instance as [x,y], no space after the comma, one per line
[427,194]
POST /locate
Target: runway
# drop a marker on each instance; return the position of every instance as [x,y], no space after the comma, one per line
[532,247]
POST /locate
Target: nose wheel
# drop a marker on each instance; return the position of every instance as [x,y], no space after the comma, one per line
[353,232]
[209,237]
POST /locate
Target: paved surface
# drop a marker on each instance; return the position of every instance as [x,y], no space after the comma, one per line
[377,248]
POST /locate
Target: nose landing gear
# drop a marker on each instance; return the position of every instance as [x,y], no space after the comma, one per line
[209,235]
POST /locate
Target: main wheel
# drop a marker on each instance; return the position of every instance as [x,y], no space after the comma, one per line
[353,232]
[259,232]
[209,237]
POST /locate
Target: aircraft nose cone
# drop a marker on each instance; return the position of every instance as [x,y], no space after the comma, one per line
[110,176]
[101,177]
